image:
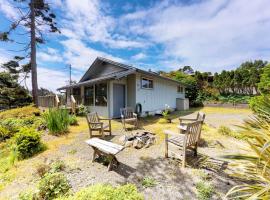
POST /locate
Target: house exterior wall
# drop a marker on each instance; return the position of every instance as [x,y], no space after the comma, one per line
[131,90]
[163,92]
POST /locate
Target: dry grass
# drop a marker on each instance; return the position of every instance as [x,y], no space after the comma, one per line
[19,112]
[209,134]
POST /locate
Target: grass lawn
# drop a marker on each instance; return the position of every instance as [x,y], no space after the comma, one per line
[209,173]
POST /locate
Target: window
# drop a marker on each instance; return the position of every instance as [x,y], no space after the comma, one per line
[89,96]
[180,89]
[76,91]
[101,94]
[147,83]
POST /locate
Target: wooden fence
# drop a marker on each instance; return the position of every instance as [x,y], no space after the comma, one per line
[50,101]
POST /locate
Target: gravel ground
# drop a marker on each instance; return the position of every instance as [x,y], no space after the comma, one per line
[172,182]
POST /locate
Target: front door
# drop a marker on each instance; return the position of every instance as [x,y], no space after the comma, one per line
[118,99]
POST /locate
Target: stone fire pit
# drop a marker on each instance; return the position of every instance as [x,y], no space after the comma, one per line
[138,140]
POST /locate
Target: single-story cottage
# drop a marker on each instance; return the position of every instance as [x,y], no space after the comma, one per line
[108,86]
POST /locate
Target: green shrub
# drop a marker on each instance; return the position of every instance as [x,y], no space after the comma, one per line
[12,124]
[57,166]
[28,143]
[107,192]
[20,112]
[82,110]
[57,121]
[53,185]
[204,190]
[224,130]
[28,195]
[260,105]
[4,133]
[73,120]
[148,182]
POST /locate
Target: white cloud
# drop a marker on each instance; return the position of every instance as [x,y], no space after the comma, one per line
[51,79]
[89,22]
[209,35]
[51,55]
[80,56]
[7,8]
[139,56]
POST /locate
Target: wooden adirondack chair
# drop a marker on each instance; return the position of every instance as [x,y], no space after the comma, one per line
[200,117]
[182,126]
[188,140]
[95,124]
[128,116]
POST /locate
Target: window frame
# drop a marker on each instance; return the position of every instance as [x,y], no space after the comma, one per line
[148,79]
[85,96]
[180,89]
[97,96]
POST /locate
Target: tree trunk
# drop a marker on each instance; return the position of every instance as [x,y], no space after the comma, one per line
[33,56]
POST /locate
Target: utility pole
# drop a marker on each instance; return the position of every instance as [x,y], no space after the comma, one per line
[70,74]
[70,80]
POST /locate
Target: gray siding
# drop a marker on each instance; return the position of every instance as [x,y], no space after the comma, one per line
[131,90]
[163,93]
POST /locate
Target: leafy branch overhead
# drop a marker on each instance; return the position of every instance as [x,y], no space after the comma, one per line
[43,17]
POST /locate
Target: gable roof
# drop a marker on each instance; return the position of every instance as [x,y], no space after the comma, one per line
[126,70]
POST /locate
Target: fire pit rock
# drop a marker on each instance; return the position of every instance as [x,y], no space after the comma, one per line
[138,140]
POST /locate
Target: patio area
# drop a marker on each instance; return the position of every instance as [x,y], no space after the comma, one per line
[170,180]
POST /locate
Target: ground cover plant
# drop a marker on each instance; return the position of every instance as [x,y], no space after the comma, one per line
[108,192]
[148,182]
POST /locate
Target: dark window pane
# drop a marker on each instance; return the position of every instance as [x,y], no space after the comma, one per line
[89,96]
[147,83]
[150,83]
[101,94]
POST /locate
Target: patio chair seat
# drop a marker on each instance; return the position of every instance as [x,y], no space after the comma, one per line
[178,140]
[131,119]
[95,123]
[128,116]
[105,126]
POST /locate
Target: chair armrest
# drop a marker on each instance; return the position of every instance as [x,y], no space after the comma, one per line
[105,119]
[182,126]
[186,119]
[168,132]
[95,123]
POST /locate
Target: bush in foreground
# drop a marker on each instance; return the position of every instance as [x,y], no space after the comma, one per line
[28,143]
[57,121]
[108,192]
[53,185]
[4,133]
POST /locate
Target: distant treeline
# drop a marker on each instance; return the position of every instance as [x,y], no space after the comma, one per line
[229,85]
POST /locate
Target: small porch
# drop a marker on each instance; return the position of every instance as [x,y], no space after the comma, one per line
[104,97]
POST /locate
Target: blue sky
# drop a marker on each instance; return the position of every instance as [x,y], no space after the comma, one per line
[209,35]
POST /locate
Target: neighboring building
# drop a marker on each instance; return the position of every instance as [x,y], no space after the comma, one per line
[108,86]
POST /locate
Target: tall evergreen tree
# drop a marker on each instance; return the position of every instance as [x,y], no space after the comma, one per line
[34,15]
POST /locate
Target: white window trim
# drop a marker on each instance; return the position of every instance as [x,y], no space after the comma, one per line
[147,79]
[180,89]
